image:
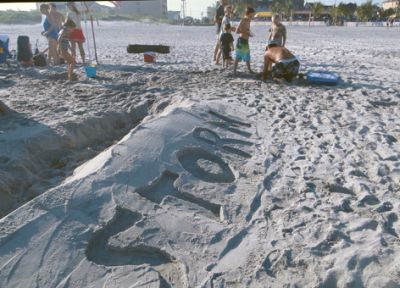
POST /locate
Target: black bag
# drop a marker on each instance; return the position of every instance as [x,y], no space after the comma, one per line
[24,53]
[39,60]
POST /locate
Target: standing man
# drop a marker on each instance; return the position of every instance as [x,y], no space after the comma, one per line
[56,17]
[219,15]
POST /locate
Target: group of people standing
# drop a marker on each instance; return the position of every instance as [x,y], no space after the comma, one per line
[64,34]
[279,62]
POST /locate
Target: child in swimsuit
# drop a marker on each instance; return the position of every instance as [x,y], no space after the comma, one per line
[225,20]
[242,47]
[277,34]
[63,46]
[226,45]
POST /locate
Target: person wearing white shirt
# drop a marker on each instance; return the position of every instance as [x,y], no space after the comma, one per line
[226,20]
[76,36]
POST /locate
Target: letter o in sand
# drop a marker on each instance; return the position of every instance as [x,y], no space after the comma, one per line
[205,165]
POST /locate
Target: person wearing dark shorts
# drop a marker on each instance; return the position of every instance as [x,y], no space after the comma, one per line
[280,63]
[286,69]
[227,40]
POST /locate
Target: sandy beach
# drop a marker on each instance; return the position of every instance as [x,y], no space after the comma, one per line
[178,174]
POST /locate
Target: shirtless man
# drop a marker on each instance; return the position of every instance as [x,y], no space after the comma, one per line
[56,18]
[242,47]
[277,33]
[280,63]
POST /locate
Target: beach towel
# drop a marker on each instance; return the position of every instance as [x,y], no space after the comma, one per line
[322,78]
[4,40]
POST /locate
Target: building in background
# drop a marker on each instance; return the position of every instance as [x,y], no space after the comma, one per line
[174,16]
[390,4]
[150,8]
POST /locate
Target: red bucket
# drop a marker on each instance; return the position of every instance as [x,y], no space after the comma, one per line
[149,57]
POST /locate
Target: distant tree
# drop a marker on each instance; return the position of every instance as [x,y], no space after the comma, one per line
[298,4]
[366,11]
[239,9]
[347,10]
[386,13]
[287,8]
[277,7]
[334,13]
[317,9]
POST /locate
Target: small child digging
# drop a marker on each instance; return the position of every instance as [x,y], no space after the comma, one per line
[227,45]
[63,46]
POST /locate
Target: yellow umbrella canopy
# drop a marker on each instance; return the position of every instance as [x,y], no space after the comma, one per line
[263,15]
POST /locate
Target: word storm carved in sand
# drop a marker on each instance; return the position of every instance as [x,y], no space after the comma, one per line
[200,163]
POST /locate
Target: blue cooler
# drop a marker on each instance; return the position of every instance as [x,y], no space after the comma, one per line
[322,78]
[90,71]
[4,40]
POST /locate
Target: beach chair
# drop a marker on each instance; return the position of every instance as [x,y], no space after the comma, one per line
[4,52]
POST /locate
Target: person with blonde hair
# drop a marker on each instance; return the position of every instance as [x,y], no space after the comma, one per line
[76,37]
[64,46]
[277,35]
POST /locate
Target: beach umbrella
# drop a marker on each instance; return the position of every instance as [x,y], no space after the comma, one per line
[88,5]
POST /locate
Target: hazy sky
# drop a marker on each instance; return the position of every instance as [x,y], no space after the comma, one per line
[193,7]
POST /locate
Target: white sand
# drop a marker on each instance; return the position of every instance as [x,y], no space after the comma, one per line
[220,182]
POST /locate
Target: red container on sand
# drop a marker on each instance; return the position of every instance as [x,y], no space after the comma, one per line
[149,57]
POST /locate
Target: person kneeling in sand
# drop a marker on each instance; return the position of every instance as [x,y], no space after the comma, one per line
[64,46]
[280,63]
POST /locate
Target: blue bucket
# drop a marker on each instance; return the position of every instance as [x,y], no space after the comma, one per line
[90,71]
